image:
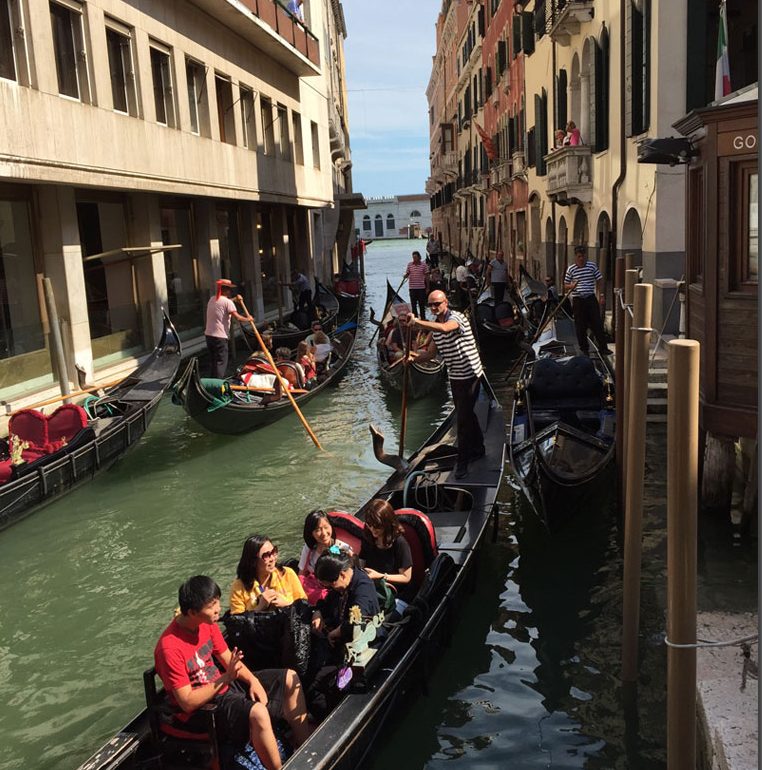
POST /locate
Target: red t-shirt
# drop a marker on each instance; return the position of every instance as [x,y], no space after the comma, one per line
[184,657]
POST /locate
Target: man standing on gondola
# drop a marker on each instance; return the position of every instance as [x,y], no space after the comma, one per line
[585,282]
[417,274]
[219,311]
[453,338]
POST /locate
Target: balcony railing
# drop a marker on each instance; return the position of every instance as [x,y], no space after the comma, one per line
[272,26]
[570,175]
[518,163]
[563,17]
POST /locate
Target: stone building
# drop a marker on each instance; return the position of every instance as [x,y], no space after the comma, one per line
[149,149]
[396,216]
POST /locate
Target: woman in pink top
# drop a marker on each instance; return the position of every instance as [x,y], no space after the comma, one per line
[573,137]
[218,313]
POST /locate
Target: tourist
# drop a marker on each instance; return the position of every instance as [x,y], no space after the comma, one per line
[583,280]
[453,338]
[306,360]
[189,656]
[497,277]
[418,276]
[573,136]
[315,327]
[219,310]
[260,583]
[318,538]
[295,9]
[322,351]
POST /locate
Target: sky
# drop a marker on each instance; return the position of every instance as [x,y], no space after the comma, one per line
[388,50]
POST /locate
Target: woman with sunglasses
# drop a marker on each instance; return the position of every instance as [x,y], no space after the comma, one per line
[261,584]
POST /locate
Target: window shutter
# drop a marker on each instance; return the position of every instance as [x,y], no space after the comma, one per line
[538,135]
[488,82]
[539,18]
[501,56]
[511,135]
[602,95]
[561,101]
[527,33]
[480,18]
[530,147]
[516,35]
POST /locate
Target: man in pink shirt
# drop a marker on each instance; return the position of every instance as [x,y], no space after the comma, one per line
[418,275]
[218,313]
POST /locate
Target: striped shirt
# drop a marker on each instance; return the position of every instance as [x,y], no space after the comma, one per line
[458,348]
[417,275]
[587,275]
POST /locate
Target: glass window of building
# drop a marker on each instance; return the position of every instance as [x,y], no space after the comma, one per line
[69,50]
[379,223]
[7,49]
[163,91]
[198,106]
[267,262]
[230,243]
[268,135]
[248,122]
[120,61]
[185,304]
[752,248]
[285,143]
[366,223]
[25,362]
[296,120]
[390,221]
[225,116]
[315,144]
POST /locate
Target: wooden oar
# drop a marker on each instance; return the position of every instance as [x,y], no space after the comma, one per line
[386,310]
[405,378]
[283,383]
[70,395]
[263,390]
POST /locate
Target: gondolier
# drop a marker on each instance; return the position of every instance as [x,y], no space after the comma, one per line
[219,311]
[584,281]
[417,274]
[453,339]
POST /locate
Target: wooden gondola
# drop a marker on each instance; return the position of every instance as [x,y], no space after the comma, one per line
[95,438]
[350,291]
[424,376]
[433,506]
[563,424]
[327,305]
[240,413]
[501,321]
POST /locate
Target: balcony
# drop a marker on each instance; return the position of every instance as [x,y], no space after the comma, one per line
[500,174]
[450,164]
[518,164]
[267,25]
[481,182]
[563,18]
[570,176]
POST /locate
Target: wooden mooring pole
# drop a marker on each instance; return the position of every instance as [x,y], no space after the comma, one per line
[682,505]
[635,440]
[619,371]
[630,279]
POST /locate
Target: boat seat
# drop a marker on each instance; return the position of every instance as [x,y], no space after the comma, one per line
[64,424]
[291,374]
[30,426]
[182,746]
[574,384]
[504,315]
[419,533]
[541,418]
[348,528]
[590,420]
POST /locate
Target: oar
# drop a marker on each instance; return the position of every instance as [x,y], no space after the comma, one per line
[345,327]
[70,395]
[405,378]
[262,390]
[386,310]
[283,383]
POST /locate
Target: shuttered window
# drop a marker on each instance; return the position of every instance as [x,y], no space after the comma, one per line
[516,35]
[638,66]
[602,93]
[527,33]
[541,130]
[531,146]
[561,100]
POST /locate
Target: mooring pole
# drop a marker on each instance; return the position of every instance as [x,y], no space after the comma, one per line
[682,504]
[630,279]
[55,338]
[636,455]
[619,372]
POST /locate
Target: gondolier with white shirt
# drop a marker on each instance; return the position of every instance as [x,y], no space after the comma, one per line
[453,338]
[219,310]
[584,281]
[417,274]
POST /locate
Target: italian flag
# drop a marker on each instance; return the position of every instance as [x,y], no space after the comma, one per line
[722,69]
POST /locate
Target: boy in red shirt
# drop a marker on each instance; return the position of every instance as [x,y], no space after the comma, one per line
[188,657]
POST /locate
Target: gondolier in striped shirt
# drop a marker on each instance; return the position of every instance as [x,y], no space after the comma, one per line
[417,274]
[453,338]
[585,282]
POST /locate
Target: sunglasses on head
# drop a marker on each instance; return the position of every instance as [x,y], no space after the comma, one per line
[268,554]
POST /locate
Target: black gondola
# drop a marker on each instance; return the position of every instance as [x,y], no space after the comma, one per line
[424,376]
[457,514]
[563,424]
[96,438]
[239,415]
[350,291]
[500,321]
[324,300]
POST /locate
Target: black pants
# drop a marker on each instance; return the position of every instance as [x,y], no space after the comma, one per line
[418,297]
[587,315]
[304,302]
[218,356]
[470,439]
[498,292]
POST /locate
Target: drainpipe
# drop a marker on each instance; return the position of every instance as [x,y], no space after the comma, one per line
[622,149]
[556,275]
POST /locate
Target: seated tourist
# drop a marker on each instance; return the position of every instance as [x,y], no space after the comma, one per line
[260,583]
[306,360]
[188,657]
[318,538]
[393,341]
[293,373]
[385,553]
[323,350]
[316,327]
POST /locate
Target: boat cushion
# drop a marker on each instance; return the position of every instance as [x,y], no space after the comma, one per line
[6,470]
[348,286]
[419,533]
[31,426]
[64,424]
[574,384]
[348,528]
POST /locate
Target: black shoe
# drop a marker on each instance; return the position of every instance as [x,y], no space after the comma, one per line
[461,470]
[477,453]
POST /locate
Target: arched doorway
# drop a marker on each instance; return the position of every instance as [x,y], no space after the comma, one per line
[632,236]
[580,228]
[534,248]
[379,223]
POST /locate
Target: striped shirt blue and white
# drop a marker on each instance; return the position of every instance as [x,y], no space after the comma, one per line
[587,275]
[458,348]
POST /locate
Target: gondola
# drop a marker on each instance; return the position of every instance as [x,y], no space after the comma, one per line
[236,413]
[424,376]
[504,321]
[72,444]
[446,520]
[350,291]
[327,305]
[563,424]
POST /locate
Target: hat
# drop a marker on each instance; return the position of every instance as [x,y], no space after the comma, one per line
[224,283]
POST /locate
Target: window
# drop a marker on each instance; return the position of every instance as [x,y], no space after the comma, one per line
[163,91]
[744,230]
[379,225]
[121,69]
[366,223]
[223,89]
[195,78]
[390,221]
[283,138]
[315,144]
[561,101]
[296,122]
[268,136]
[541,131]
[7,48]
[70,55]
[638,72]
[752,228]
[184,299]
[248,123]
[448,139]
[415,214]
[602,93]
[696,236]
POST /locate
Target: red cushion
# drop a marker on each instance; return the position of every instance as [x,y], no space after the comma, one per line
[348,528]
[506,321]
[65,423]
[30,425]
[420,535]
[32,454]
[6,469]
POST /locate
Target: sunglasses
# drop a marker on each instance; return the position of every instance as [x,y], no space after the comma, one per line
[435,304]
[267,554]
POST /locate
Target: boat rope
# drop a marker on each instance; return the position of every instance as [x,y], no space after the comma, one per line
[701,643]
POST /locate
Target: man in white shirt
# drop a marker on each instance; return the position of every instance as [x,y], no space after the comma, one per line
[219,310]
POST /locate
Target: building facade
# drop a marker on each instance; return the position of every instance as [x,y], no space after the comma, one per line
[396,216]
[148,150]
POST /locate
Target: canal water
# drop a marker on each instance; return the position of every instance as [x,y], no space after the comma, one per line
[529,679]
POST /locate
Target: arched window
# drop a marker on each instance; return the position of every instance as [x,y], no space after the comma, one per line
[602,92]
[379,225]
[415,214]
[366,223]
[390,221]
[561,118]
